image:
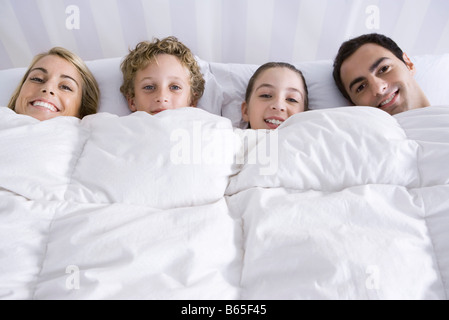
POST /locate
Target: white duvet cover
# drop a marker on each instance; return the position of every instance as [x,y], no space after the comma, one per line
[344,203]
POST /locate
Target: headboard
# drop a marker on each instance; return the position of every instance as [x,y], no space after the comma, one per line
[229,31]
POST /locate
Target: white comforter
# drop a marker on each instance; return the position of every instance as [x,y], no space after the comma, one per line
[346,203]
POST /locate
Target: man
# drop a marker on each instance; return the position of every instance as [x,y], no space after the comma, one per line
[371,70]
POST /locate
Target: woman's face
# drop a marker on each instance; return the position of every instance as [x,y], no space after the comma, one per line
[277,95]
[53,88]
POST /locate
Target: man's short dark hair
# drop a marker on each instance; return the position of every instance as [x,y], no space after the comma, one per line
[351,46]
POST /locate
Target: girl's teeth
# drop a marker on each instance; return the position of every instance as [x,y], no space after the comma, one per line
[275,122]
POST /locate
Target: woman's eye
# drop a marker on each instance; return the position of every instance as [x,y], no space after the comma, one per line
[36,79]
[67,88]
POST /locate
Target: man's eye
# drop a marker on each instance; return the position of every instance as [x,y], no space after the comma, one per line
[384,69]
[360,88]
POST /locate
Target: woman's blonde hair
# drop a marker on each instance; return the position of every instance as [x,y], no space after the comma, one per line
[90,89]
[146,52]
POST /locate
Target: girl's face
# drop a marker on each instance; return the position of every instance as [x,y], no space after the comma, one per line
[163,84]
[277,95]
[53,88]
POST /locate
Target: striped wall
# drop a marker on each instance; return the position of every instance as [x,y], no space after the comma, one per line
[239,31]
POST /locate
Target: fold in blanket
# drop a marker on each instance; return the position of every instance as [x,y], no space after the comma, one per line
[344,203]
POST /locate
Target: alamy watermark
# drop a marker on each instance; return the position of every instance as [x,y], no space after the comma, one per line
[72,281]
[372,21]
[372,281]
[73,20]
[226,146]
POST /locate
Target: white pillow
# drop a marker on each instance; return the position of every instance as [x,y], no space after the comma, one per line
[226,84]
[433,76]
[230,81]
[109,78]
[323,92]
[9,80]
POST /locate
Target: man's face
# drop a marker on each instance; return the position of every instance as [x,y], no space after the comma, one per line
[374,76]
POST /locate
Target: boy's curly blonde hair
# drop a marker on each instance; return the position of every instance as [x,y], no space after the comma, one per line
[145,52]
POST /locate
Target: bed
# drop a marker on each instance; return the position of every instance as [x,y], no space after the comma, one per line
[340,202]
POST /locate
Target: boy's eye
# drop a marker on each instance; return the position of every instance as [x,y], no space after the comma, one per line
[292,100]
[149,87]
[175,87]
[265,96]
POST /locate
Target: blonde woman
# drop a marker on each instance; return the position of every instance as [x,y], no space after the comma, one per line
[161,75]
[57,83]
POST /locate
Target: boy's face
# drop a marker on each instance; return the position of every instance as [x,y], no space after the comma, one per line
[277,95]
[374,76]
[163,84]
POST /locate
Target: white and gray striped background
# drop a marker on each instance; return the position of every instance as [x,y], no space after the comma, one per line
[229,31]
